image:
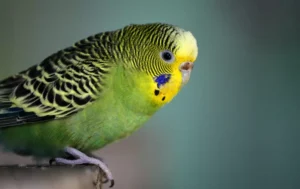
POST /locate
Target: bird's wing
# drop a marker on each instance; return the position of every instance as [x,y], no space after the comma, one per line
[63,84]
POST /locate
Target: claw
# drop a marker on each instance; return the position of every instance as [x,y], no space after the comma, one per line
[112,183]
[51,161]
[84,159]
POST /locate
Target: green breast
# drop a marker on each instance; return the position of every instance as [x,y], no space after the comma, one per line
[119,111]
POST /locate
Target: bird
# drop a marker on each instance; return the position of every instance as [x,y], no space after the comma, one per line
[95,92]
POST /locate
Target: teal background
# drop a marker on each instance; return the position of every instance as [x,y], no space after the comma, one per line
[235,125]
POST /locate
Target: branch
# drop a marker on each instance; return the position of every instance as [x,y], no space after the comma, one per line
[50,177]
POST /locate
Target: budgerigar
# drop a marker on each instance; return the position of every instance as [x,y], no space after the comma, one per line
[95,92]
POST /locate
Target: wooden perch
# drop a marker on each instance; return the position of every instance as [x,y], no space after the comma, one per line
[50,177]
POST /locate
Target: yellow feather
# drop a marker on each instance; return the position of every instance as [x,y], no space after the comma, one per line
[188,48]
[187,51]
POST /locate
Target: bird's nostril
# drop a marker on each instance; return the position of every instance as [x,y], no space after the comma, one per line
[187,66]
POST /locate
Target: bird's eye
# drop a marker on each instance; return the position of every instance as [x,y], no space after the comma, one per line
[167,56]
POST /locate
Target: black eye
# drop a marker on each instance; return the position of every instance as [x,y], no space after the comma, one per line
[167,56]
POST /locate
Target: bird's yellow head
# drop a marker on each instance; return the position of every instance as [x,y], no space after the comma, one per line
[164,54]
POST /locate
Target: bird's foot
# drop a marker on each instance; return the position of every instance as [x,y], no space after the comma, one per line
[84,159]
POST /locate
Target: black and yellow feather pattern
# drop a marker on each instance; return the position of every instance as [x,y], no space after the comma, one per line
[70,79]
[61,85]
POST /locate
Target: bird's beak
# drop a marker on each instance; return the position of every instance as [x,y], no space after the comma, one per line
[186,69]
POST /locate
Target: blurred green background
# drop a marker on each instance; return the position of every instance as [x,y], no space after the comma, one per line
[236,125]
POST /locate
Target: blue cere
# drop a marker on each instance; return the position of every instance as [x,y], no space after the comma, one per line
[162,79]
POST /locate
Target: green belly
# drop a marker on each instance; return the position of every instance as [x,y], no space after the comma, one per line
[88,130]
[120,110]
